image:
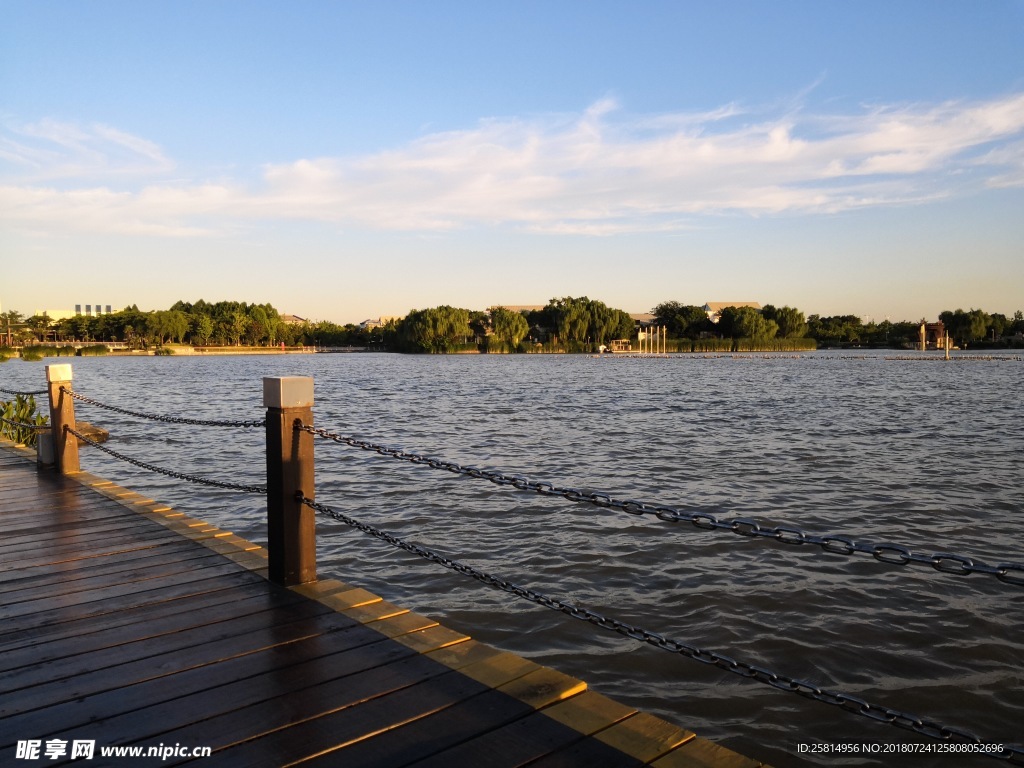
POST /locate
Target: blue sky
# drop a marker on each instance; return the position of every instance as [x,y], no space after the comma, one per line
[345,160]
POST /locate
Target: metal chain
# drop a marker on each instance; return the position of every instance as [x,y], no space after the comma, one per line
[891,554]
[167,419]
[782,682]
[168,472]
[25,425]
[26,394]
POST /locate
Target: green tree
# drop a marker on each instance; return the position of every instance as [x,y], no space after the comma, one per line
[748,323]
[10,326]
[965,327]
[791,322]
[179,325]
[997,325]
[237,322]
[39,325]
[682,321]
[256,325]
[623,326]
[835,330]
[510,327]
[581,323]
[202,328]
[440,329]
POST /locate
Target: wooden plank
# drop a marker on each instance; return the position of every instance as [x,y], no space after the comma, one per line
[365,706]
[175,551]
[48,603]
[72,626]
[518,743]
[160,645]
[589,712]
[185,657]
[184,585]
[701,753]
[644,736]
[24,531]
[67,646]
[143,709]
[449,727]
[412,740]
[101,547]
[70,506]
[191,562]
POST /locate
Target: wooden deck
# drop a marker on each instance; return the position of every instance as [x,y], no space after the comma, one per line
[124,622]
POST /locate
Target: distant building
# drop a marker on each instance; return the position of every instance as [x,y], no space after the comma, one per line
[518,307]
[932,335]
[643,319]
[714,308]
[55,314]
[292,320]
[380,322]
[92,310]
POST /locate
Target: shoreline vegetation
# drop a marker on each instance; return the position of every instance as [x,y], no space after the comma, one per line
[564,326]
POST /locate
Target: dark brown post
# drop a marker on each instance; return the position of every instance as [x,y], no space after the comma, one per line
[291,529]
[62,415]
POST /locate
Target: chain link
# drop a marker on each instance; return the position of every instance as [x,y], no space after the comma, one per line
[168,472]
[890,554]
[166,419]
[782,682]
[24,394]
[25,425]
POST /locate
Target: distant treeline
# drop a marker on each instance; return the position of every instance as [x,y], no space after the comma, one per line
[222,323]
[567,324]
[974,327]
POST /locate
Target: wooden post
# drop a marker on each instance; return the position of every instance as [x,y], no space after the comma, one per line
[291,525]
[62,415]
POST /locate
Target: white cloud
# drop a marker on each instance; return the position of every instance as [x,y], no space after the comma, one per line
[598,172]
[50,150]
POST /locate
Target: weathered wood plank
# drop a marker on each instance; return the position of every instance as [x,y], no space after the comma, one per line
[417,688]
[116,645]
[63,589]
[180,551]
[184,656]
[142,710]
[74,626]
[181,585]
[47,604]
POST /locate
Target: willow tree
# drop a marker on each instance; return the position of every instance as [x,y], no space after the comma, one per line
[439,329]
[579,321]
[747,323]
[510,327]
[791,322]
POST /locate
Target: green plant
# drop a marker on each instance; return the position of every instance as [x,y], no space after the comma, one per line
[164,351]
[92,351]
[17,415]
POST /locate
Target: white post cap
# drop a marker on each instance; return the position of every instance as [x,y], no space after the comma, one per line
[287,392]
[58,372]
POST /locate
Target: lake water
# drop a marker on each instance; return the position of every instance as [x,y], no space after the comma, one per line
[924,454]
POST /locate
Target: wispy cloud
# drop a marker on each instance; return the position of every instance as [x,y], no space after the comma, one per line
[598,172]
[50,150]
